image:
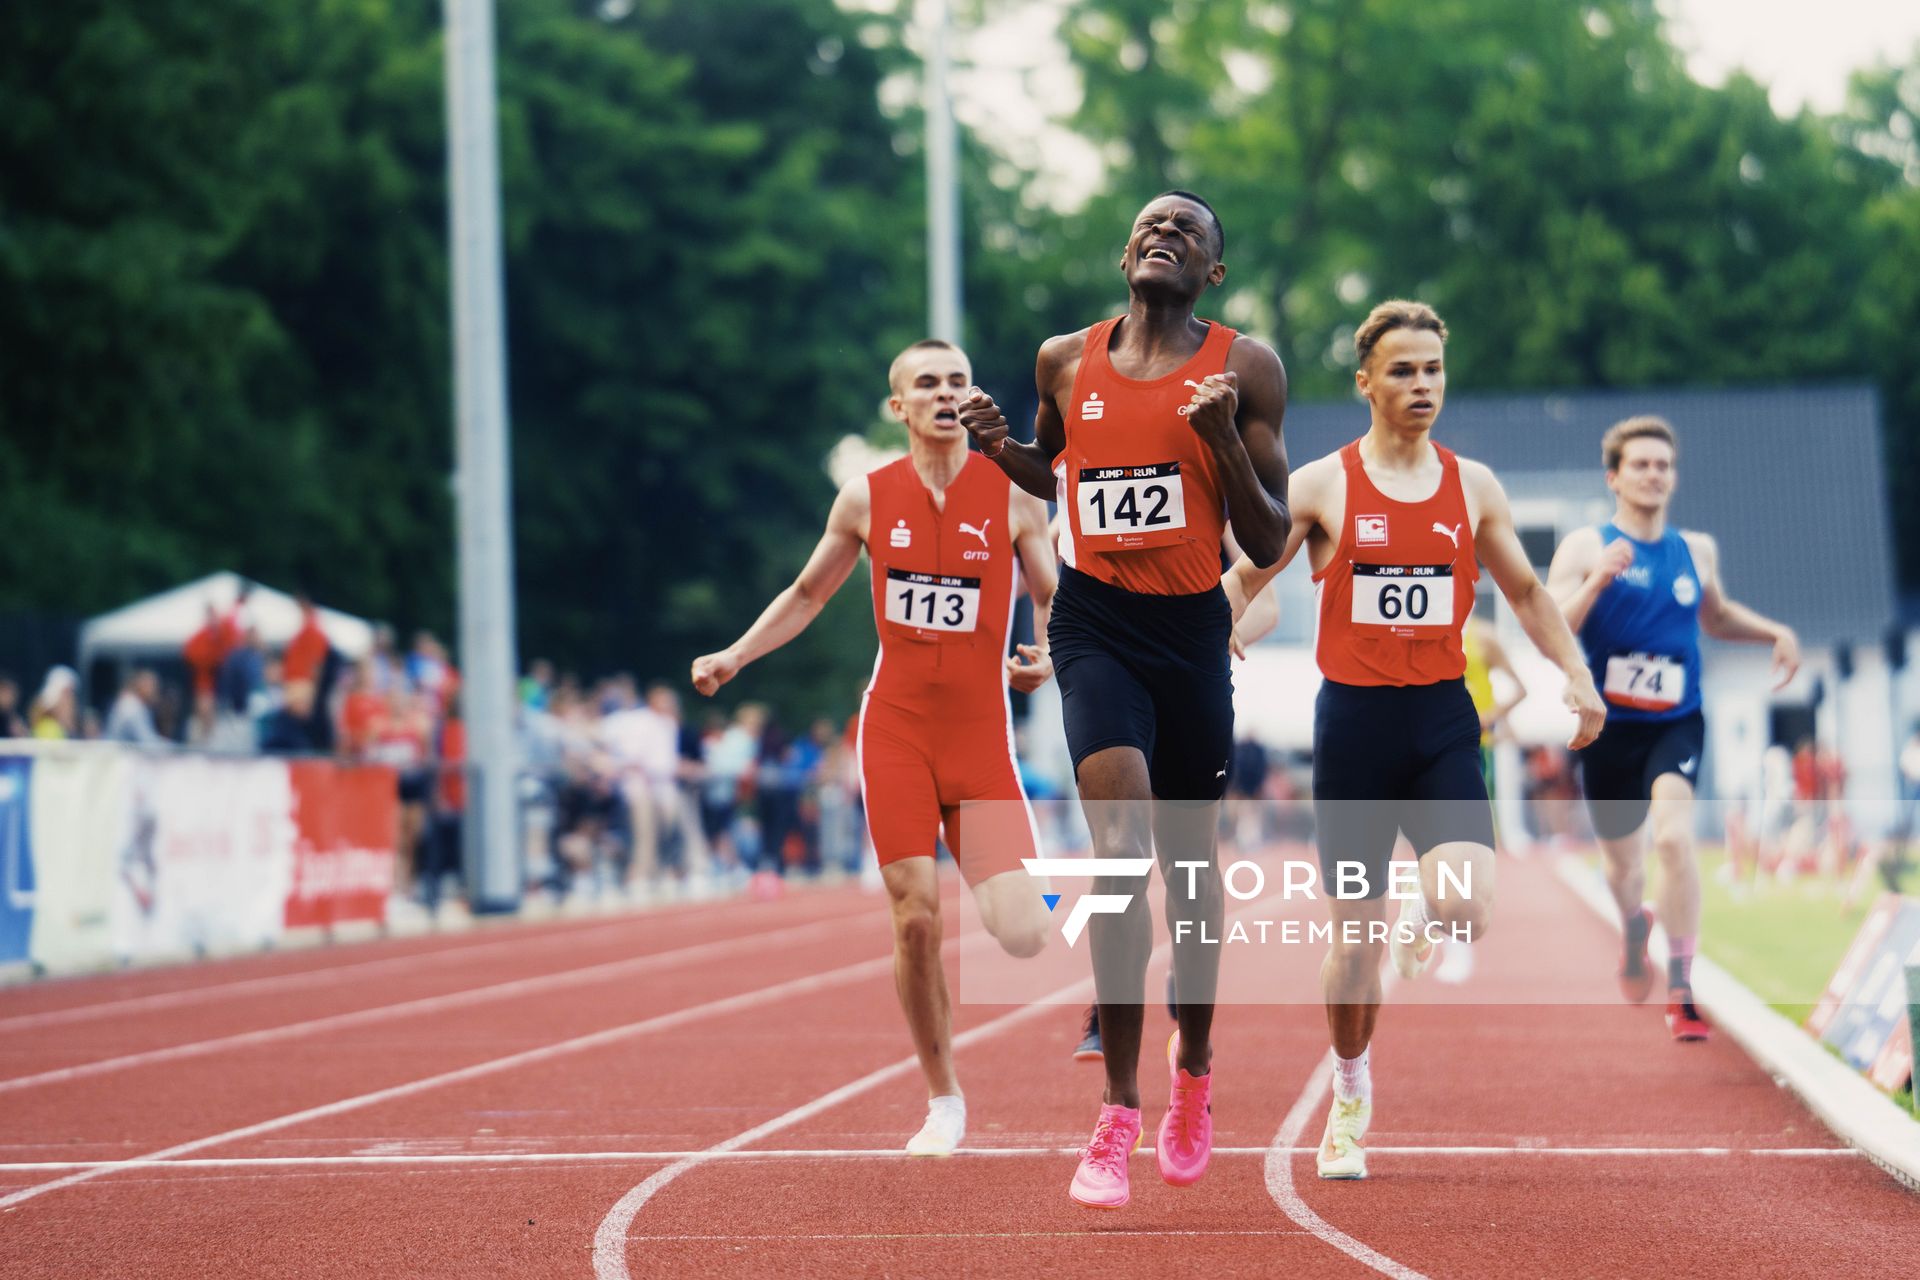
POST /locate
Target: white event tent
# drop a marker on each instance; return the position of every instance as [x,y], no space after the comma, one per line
[158,626]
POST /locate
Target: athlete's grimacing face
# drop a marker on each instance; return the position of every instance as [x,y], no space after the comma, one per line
[1645,476]
[1172,247]
[928,389]
[1405,378]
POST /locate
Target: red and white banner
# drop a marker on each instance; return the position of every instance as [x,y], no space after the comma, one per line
[346,825]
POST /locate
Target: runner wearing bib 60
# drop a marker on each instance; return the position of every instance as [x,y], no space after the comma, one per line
[941,528]
[1165,423]
[1393,524]
[1640,593]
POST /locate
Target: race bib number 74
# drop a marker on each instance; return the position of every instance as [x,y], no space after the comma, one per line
[932,602]
[1646,681]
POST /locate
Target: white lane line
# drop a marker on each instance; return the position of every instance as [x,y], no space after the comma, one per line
[1279,1173]
[880,1153]
[1128,1233]
[610,1240]
[320,976]
[427,1004]
[597,1039]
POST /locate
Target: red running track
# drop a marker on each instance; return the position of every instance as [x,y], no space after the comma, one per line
[720,1090]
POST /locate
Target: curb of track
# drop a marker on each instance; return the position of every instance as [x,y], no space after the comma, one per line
[1843,1099]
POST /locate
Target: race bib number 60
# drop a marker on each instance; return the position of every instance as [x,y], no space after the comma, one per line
[932,602]
[1403,596]
[1139,506]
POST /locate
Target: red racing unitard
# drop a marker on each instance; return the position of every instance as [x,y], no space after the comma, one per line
[1146,512]
[1397,593]
[936,728]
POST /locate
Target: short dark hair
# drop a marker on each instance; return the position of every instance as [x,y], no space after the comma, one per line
[925,344]
[1219,229]
[1397,313]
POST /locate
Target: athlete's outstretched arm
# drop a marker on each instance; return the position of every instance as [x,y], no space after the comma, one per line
[793,609]
[1238,414]
[1726,619]
[1031,665]
[1028,465]
[1582,569]
[1498,547]
[1256,615]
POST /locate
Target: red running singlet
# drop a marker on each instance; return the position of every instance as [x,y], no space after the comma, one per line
[1143,497]
[936,733]
[1397,593]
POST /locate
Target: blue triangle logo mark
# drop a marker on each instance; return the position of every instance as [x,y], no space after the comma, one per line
[1051,899]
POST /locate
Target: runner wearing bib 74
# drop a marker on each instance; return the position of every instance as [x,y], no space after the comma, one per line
[1640,592]
[1396,528]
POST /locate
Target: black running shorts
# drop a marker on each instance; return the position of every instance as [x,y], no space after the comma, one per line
[1393,758]
[1618,768]
[1150,672]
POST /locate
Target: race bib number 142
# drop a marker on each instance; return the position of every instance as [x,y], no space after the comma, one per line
[1127,501]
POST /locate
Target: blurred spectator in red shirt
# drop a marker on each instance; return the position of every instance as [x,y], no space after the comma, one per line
[308,648]
[204,651]
[363,713]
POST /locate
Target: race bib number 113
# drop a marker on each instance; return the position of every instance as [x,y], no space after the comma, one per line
[932,602]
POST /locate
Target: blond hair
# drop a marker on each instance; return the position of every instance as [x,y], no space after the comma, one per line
[1646,427]
[1398,313]
[925,344]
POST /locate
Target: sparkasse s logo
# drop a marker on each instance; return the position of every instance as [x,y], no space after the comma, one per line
[1092,904]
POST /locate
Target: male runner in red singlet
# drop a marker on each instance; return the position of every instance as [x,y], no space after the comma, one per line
[1393,524]
[941,528]
[1166,423]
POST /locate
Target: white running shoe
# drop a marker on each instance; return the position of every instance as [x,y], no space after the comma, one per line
[1342,1153]
[1411,948]
[946,1125]
[1456,963]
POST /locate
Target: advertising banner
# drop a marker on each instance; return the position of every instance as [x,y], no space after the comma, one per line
[345,824]
[78,827]
[1864,1011]
[16,858]
[208,862]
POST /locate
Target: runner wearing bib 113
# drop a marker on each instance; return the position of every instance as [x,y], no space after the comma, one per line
[1396,528]
[1640,592]
[942,528]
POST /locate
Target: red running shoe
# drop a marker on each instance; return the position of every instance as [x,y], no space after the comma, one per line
[1683,1019]
[1636,970]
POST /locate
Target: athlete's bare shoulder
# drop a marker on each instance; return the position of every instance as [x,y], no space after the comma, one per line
[1059,359]
[1705,551]
[1250,355]
[852,508]
[1309,487]
[1584,540]
[1478,477]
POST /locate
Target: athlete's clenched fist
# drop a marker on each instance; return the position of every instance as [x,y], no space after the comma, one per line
[1584,701]
[711,670]
[1216,399]
[1614,561]
[984,421]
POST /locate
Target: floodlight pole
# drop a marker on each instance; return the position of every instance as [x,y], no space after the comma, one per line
[943,193]
[487,660]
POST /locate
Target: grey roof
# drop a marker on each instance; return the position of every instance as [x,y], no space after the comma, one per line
[1788,479]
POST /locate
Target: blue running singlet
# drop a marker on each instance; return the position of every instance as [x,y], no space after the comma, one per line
[1642,636]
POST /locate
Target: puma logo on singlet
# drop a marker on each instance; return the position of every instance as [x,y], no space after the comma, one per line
[980,533]
[1453,534]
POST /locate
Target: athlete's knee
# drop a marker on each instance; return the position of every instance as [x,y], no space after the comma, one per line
[1352,965]
[1672,844]
[916,923]
[1022,940]
[1122,840]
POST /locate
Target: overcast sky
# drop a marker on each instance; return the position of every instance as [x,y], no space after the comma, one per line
[1011,87]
